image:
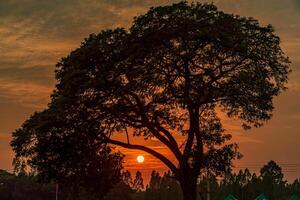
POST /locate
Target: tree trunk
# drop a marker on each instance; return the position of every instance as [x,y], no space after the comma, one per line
[189,189]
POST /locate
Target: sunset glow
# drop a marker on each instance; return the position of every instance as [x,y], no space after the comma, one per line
[28,58]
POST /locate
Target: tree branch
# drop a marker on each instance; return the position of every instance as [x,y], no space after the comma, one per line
[127,136]
[159,156]
[174,148]
[169,141]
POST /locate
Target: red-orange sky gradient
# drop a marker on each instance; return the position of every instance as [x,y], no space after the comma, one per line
[35,34]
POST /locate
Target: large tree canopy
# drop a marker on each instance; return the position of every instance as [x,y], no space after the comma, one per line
[171,73]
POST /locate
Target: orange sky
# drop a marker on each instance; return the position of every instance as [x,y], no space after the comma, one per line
[36,34]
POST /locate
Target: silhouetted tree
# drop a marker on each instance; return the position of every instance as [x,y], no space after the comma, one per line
[272,173]
[126,178]
[138,182]
[120,191]
[23,187]
[242,185]
[169,74]
[208,186]
[163,187]
[67,152]
[247,186]
[272,180]
[294,188]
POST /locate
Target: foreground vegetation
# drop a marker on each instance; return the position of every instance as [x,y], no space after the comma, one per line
[243,185]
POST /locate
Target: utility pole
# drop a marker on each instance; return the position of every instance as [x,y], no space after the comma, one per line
[56,191]
[208,184]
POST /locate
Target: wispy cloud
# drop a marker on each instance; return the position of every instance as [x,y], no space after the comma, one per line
[26,94]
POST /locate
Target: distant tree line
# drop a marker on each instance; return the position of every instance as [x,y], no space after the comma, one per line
[244,185]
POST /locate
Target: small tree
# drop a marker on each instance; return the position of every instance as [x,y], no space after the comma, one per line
[272,173]
[170,74]
[138,182]
[272,183]
[162,187]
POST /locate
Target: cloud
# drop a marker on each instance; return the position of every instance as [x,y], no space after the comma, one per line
[244,138]
[57,19]
[25,93]
[291,46]
[37,74]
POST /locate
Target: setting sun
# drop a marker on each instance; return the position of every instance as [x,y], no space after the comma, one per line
[140,159]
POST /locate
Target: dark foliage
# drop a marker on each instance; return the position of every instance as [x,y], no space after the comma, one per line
[242,185]
[69,153]
[171,73]
[23,187]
